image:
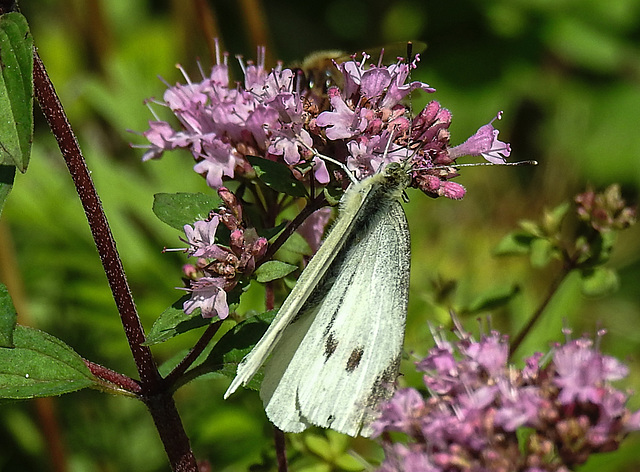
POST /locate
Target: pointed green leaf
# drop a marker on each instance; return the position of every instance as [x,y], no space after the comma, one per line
[293,249]
[541,252]
[16,90]
[8,318]
[235,344]
[174,321]
[319,445]
[179,209]
[599,281]
[273,270]
[347,462]
[269,233]
[7,175]
[552,219]
[531,227]
[277,176]
[494,298]
[514,244]
[40,366]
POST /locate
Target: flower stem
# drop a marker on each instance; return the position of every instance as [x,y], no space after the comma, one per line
[278,438]
[160,404]
[193,354]
[555,285]
[112,377]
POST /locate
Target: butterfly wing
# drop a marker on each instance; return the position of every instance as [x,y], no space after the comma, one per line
[352,204]
[339,357]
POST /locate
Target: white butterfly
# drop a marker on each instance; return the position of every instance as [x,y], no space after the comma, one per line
[336,342]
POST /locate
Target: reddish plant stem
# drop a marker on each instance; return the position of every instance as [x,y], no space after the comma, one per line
[160,404]
[281,452]
[193,354]
[278,435]
[57,119]
[116,378]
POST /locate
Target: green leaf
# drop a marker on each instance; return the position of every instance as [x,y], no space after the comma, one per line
[174,321]
[531,227]
[277,176]
[552,219]
[333,195]
[270,233]
[16,91]
[515,243]
[494,299]
[599,281]
[8,317]
[273,270]
[523,434]
[7,175]
[348,463]
[235,344]
[40,366]
[293,249]
[541,252]
[179,209]
[599,248]
[319,445]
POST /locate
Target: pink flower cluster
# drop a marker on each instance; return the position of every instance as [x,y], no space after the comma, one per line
[218,267]
[363,124]
[484,414]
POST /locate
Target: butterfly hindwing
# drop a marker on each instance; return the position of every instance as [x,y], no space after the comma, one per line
[339,358]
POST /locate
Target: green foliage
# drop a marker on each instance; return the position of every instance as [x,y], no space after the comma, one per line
[8,318]
[40,365]
[16,91]
[599,281]
[16,99]
[174,321]
[7,175]
[277,176]
[493,299]
[273,270]
[330,451]
[182,208]
[234,345]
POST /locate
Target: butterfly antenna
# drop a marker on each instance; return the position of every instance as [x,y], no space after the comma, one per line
[478,164]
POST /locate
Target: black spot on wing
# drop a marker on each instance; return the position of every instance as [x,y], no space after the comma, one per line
[384,385]
[354,359]
[330,345]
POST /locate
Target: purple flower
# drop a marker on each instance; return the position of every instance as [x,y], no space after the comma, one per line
[400,413]
[363,125]
[400,458]
[218,268]
[201,238]
[485,143]
[207,293]
[313,227]
[582,372]
[341,122]
[491,353]
[478,405]
[518,406]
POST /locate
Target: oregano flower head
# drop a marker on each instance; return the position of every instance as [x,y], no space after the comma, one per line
[484,414]
[363,123]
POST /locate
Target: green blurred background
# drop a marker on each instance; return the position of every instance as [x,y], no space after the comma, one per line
[565,72]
